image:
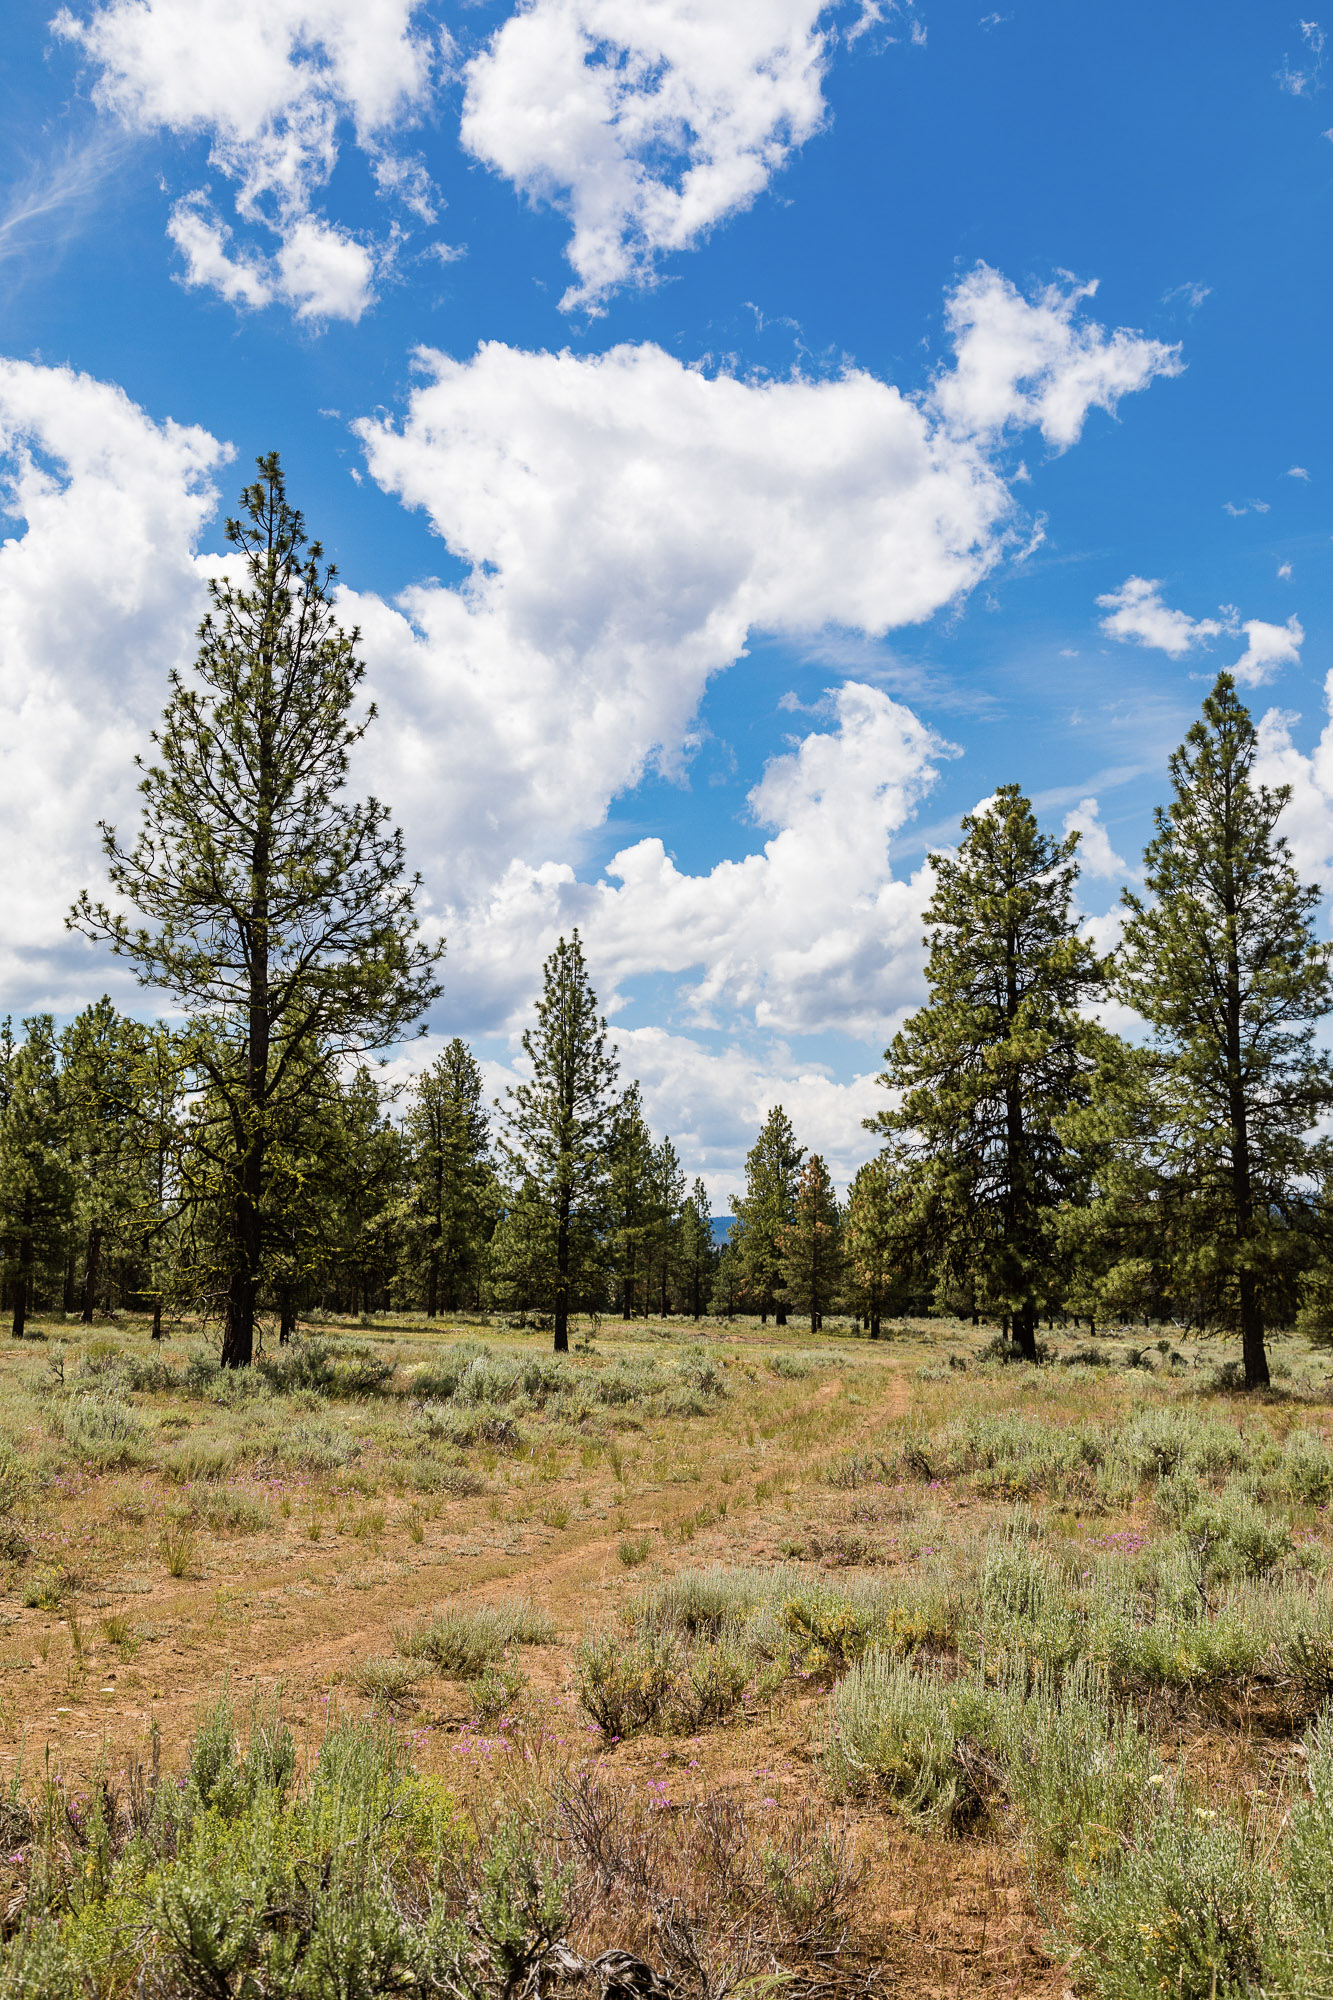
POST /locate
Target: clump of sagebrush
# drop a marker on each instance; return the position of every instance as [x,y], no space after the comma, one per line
[1207,1901]
[465,1639]
[472,1377]
[655,1680]
[698,1647]
[955,1751]
[99,1428]
[358,1878]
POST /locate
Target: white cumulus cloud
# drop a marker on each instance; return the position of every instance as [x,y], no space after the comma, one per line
[649,120]
[1269,648]
[629,521]
[1096,856]
[1037,363]
[271,84]
[99,596]
[1137,611]
[810,933]
[1307,821]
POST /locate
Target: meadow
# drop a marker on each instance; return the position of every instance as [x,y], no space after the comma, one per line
[417,1660]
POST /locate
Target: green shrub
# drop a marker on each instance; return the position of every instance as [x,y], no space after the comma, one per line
[199,1458]
[100,1428]
[896,1736]
[791,1367]
[465,1639]
[625,1683]
[386,1679]
[495,1692]
[318,1446]
[147,1373]
[1191,1909]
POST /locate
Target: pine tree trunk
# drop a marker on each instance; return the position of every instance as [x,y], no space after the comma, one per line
[238,1336]
[1252,1335]
[874,1326]
[1025,1332]
[780,1316]
[91,1269]
[70,1293]
[433,1283]
[287,1319]
[157,1317]
[24,1277]
[562,1282]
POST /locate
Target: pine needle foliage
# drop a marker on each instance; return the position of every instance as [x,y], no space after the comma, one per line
[559,1124]
[1224,966]
[276,912]
[772,1169]
[998,1056]
[811,1243]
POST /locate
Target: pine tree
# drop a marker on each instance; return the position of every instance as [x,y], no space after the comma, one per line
[559,1124]
[630,1198]
[367,1186]
[100,1060]
[668,1186]
[698,1255]
[728,1279]
[772,1168]
[155,1137]
[523,1251]
[811,1244]
[1224,966]
[448,1138]
[36,1182]
[277,913]
[998,1056]
[879,1237]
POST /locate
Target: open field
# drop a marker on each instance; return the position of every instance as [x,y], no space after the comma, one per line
[872,1667]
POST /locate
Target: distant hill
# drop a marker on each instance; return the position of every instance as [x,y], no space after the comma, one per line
[722,1228]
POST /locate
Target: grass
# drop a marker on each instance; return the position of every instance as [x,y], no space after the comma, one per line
[1059,1643]
[387,1679]
[180,1548]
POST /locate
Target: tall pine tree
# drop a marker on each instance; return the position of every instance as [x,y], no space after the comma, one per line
[36,1182]
[276,912]
[772,1168]
[1224,966]
[879,1237]
[630,1199]
[811,1244]
[999,1055]
[101,1059]
[558,1125]
[698,1255]
[453,1185]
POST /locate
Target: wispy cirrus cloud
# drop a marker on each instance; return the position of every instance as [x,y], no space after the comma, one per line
[1304,76]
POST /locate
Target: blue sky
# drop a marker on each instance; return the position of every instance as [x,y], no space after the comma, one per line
[723,447]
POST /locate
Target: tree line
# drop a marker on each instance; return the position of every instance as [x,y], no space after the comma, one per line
[249,1164]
